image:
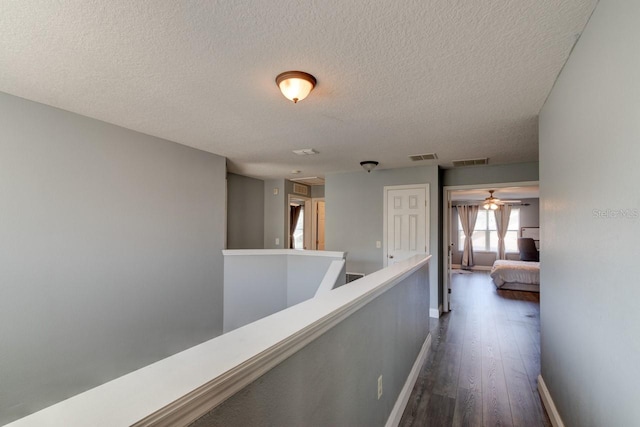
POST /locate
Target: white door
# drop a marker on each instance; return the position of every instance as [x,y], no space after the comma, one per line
[406,222]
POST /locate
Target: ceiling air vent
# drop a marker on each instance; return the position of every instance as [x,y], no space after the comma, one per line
[305,152]
[300,189]
[471,162]
[419,157]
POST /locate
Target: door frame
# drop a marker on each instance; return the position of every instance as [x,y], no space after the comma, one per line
[387,188]
[307,220]
[314,221]
[447,219]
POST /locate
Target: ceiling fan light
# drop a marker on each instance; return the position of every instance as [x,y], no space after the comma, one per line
[490,202]
[295,85]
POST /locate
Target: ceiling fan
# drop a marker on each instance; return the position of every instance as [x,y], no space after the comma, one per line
[492,202]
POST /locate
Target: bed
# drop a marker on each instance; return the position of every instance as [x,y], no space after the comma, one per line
[516,275]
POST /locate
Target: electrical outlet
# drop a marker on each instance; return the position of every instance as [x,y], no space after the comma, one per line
[379,387]
[275,191]
[277,241]
[378,244]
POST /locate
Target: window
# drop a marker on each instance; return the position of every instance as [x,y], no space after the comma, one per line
[298,234]
[485,234]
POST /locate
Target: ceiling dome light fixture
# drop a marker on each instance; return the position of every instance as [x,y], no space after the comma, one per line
[295,85]
[369,165]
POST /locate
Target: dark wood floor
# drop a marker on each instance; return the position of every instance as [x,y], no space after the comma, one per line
[484,360]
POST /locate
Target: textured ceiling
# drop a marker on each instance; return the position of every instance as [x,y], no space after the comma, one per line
[463,79]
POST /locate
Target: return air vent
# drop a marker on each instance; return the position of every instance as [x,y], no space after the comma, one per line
[419,157]
[354,276]
[470,162]
[305,152]
[300,189]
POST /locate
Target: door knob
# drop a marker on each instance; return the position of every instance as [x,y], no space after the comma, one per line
[390,256]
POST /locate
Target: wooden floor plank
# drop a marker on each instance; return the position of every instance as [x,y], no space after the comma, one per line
[439,412]
[470,376]
[523,409]
[411,410]
[496,410]
[455,330]
[468,410]
[446,379]
[489,338]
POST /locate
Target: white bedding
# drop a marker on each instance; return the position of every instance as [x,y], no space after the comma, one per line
[505,272]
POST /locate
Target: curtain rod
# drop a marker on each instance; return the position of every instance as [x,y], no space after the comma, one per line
[479,203]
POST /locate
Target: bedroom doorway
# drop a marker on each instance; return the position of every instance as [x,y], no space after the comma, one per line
[526,192]
[299,222]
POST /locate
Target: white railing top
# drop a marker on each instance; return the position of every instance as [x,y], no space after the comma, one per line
[183,387]
[300,252]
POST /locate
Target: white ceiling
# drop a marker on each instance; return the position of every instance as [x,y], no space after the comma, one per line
[463,79]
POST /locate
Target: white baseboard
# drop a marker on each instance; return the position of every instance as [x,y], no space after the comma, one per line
[405,393]
[435,312]
[554,415]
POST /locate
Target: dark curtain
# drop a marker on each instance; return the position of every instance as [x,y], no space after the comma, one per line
[295,214]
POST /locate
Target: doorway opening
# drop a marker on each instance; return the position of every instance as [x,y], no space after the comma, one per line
[299,222]
[485,237]
[306,223]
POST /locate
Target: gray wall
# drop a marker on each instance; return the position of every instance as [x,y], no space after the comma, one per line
[529,217]
[589,150]
[354,216]
[333,380]
[245,212]
[274,211]
[317,191]
[515,172]
[254,287]
[304,275]
[110,243]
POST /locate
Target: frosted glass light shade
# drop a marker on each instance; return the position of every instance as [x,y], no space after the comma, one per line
[295,85]
[490,205]
[368,165]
